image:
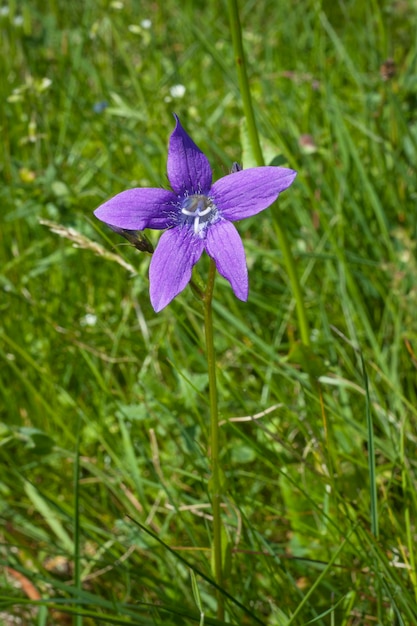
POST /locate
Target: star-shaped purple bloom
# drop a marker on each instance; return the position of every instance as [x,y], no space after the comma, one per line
[198,216]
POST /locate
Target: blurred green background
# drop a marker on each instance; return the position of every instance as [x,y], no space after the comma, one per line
[94,383]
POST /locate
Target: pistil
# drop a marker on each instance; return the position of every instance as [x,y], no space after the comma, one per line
[198,209]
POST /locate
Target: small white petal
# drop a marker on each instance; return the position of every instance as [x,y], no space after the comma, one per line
[177,91]
[88,320]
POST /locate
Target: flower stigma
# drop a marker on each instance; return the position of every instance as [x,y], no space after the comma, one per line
[198,210]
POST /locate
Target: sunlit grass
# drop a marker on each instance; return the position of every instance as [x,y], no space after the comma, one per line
[87,92]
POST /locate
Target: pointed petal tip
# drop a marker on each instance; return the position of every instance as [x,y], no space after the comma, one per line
[292,173]
[102,214]
[178,126]
[158,307]
[285,175]
[242,297]
[287,178]
[158,302]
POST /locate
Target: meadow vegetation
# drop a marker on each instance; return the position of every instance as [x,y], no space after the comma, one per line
[104,508]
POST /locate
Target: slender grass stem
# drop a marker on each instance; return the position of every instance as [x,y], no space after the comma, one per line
[244,88]
[245,93]
[78,619]
[215,482]
[407,517]
[294,282]
[371,455]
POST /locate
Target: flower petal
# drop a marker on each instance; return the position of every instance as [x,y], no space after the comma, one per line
[188,168]
[172,262]
[136,209]
[224,245]
[250,191]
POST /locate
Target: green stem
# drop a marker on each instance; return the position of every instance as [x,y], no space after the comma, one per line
[78,619]
[294,282]
[215,482]
[245,94]
[244,88]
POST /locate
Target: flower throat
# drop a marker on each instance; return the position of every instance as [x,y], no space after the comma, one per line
[198,210]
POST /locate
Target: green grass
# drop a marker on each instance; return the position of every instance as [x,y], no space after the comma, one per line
[104,404]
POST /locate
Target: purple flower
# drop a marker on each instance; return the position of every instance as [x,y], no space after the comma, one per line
[198,216]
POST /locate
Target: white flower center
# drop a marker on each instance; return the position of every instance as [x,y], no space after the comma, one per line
[198,210]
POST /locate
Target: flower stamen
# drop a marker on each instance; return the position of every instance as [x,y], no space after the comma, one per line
[197,207]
